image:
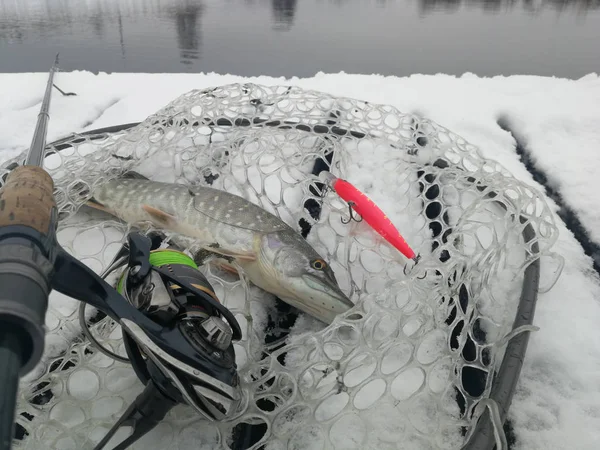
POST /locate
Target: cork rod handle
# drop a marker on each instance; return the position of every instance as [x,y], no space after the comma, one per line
[27,199]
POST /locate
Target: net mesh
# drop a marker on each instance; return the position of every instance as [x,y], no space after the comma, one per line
[405,368]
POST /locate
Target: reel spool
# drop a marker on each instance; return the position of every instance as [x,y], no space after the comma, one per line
[167,287]
[167,302]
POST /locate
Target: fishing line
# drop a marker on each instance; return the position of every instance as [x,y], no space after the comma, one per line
[83,323]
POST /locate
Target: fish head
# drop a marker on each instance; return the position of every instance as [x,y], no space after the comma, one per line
[302,277]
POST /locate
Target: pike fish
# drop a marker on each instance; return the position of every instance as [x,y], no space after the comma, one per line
[272,254]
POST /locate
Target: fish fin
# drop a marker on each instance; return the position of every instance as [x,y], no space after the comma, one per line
[242,256]
[93,203]
[227,268]
[133,175]
[159,215]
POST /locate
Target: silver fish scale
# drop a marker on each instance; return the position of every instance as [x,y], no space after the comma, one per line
[126,196]
[235,211]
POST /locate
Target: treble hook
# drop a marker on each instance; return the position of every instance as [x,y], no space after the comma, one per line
[416,260]
[352,216]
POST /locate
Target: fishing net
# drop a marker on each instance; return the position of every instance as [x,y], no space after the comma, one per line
[413,365]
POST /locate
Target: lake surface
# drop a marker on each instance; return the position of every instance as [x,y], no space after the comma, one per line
[302,37]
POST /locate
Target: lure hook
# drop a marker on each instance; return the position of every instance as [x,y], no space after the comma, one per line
[416,260]
[352,215]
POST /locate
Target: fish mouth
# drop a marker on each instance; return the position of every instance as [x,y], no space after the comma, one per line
[331,290]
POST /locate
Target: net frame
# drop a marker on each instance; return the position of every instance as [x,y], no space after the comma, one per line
[482,434]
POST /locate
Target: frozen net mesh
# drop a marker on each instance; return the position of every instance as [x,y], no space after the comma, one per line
[405,368]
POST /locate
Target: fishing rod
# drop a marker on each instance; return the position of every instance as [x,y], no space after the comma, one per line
[177,335]
[28,221]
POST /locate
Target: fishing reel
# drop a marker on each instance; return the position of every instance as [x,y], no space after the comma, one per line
[166,286]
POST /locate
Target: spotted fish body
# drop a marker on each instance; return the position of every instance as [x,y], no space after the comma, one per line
[271,253]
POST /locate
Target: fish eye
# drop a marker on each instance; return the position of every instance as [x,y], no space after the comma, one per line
[318,264]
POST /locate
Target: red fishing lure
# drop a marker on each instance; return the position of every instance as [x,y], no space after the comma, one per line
[370,212]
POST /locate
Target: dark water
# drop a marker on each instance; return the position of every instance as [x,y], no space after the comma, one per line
[302,37]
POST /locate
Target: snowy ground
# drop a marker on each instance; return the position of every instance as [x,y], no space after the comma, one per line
[557,403]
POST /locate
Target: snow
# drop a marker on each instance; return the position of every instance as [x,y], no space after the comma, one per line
[557,401]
